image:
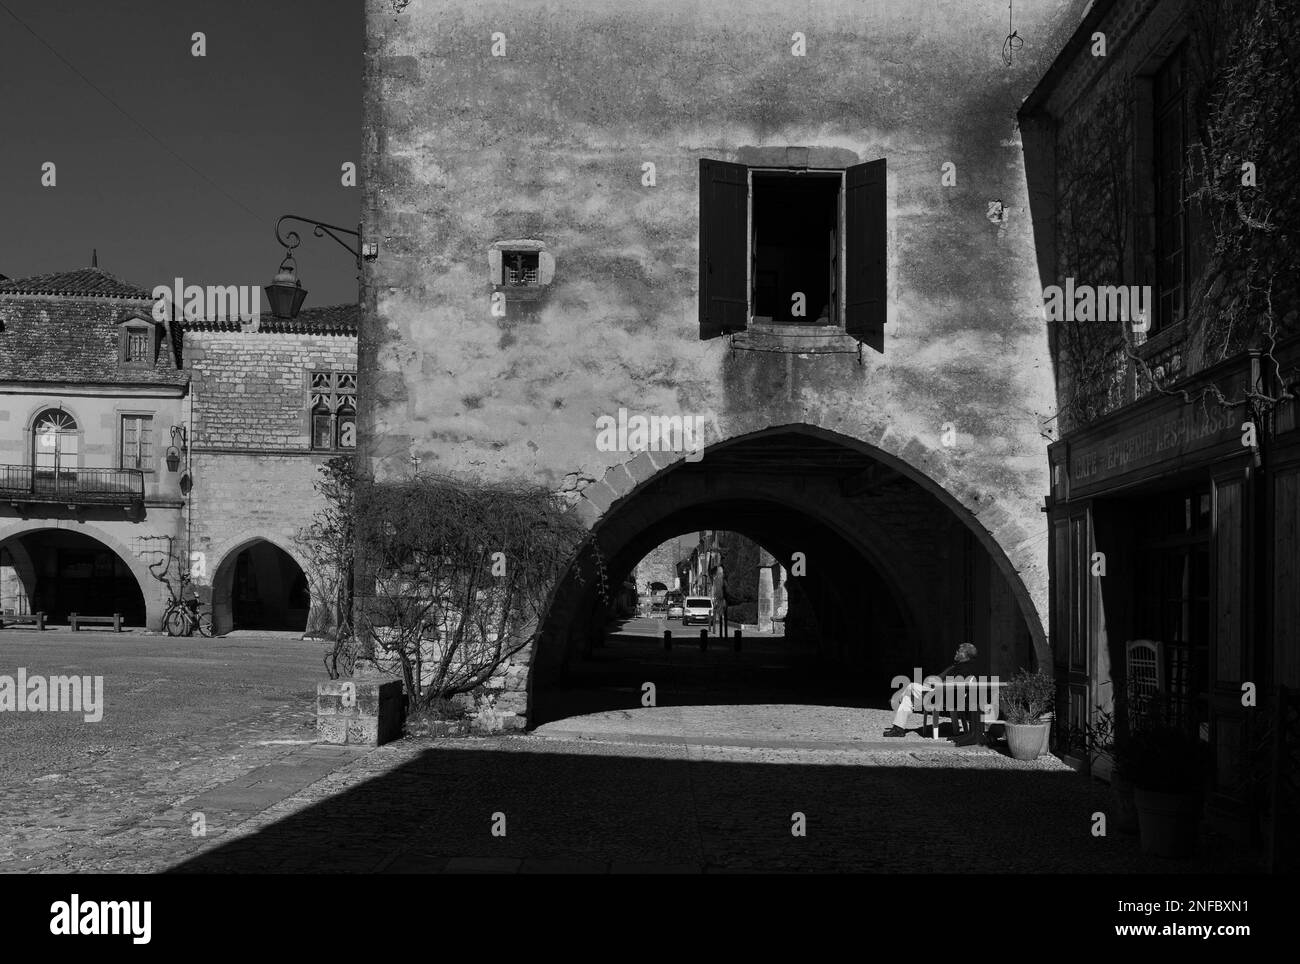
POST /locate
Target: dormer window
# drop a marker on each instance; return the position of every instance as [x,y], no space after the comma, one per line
[138,342]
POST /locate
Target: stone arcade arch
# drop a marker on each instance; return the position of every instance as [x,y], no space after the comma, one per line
[63,569]
[273,575]
[799,485]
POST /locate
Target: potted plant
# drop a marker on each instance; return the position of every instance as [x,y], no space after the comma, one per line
[1024,700]
[1167,768]
[1097,740]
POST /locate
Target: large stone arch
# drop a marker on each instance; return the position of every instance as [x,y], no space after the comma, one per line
[222,575]
[637,494]
[155,598]
[779,544]
[1021,556]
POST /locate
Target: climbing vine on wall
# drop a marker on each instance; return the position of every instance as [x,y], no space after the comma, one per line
[1241,194]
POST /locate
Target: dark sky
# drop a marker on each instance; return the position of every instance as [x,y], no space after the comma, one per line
[270,115]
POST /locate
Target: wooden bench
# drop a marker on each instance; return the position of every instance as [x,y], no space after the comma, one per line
[76,621]
[12,619]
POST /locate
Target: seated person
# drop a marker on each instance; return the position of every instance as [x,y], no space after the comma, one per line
[913,692]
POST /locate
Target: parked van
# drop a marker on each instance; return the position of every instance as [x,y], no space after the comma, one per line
[698,609]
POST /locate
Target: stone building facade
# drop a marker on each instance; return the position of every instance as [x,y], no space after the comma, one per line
[271,403]
[91,386]
[1161,156]
[185,446]
[805,233]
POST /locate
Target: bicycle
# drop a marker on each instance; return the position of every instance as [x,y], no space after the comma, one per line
[182,616]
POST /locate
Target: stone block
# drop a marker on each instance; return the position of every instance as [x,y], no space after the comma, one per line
[364,731]
[600,495]
[332,729]
[367,710]
[642,468]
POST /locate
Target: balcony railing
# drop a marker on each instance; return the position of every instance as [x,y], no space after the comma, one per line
[23,483]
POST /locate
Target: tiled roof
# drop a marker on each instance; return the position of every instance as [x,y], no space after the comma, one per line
[76,340]
[82,283]
[325,320]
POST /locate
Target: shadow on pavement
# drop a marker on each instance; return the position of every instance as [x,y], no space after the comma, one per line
[596,808]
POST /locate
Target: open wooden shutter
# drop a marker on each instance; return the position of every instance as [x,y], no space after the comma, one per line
[724,243]
[865,239]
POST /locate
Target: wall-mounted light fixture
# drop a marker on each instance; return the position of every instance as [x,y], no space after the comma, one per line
[175,451]
[286,292]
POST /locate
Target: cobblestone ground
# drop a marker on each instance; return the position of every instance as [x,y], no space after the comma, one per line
[595,806]
[638,791]
[180,717]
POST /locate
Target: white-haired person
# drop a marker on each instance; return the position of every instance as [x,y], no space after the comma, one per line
[910,696]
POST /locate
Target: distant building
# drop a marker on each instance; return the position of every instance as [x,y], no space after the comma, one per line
[127,442]
[92,390]
[271,403]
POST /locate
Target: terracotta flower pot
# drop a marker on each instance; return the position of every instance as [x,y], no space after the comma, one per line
[1169,822]
[1025,740]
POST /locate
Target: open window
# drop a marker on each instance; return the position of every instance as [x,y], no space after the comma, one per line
[798,247]
[794,247]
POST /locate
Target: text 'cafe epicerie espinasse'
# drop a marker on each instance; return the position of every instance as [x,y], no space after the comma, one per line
[1193,424]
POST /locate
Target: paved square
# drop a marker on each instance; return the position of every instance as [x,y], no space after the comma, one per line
[206,761]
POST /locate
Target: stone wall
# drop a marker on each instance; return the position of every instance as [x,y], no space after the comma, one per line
[1096,113]
[254,471]
[660,565]
[550,142]
[251,390]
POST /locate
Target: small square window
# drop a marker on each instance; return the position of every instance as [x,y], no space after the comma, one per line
[522,270]
[519,267]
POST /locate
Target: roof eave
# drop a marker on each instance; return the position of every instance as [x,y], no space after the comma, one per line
[1036,102]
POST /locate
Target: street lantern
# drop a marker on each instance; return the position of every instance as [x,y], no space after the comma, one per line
[286,293]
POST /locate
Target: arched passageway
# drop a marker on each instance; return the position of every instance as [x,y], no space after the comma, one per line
[893,578]
[260,586]
[59,572]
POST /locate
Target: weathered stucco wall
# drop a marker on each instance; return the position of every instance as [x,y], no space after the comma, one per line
[548,142]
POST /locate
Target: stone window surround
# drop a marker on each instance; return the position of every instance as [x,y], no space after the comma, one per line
[524,292]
